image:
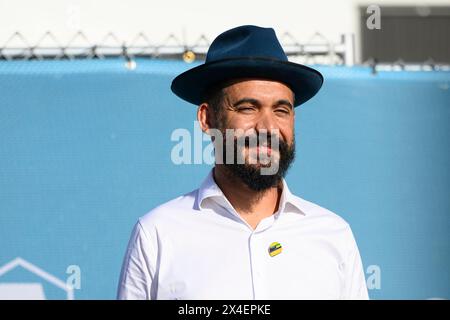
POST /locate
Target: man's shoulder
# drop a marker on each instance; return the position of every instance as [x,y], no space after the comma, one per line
[325,221]
[173,209]
[315,211]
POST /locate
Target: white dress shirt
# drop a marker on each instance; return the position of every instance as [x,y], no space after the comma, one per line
[198,247]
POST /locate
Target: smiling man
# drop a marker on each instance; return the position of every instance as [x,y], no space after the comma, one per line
[242,234]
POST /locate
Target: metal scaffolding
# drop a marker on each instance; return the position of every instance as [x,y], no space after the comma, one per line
[316,50]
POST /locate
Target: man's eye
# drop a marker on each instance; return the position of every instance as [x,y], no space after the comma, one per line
[281,111]
[246,108]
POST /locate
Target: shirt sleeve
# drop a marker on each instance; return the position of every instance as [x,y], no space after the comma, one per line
[138,269]
[355,287]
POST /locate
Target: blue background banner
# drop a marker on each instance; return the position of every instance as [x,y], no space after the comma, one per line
[85,149]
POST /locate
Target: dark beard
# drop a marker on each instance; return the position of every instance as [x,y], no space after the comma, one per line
[250,174]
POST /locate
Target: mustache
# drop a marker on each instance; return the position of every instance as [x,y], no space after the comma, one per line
[257,140]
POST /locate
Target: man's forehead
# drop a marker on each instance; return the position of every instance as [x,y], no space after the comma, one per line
[262,88]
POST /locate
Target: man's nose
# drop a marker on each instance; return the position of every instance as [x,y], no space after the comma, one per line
[266,121]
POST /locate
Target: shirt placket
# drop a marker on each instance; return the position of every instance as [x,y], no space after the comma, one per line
[258,248]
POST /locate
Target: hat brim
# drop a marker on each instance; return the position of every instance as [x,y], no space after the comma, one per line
[192,85]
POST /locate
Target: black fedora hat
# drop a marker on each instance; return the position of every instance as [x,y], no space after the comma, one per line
[246,52]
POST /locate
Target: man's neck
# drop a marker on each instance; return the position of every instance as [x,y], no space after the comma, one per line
[251,205]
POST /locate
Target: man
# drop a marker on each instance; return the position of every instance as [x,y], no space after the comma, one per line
[243,234]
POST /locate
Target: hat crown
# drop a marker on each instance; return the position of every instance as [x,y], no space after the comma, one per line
[246,41]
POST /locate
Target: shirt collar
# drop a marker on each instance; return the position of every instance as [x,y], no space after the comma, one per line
[210,189]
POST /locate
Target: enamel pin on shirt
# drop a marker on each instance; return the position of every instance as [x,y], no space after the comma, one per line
[275,248]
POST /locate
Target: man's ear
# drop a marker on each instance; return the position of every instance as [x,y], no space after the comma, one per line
[204,117]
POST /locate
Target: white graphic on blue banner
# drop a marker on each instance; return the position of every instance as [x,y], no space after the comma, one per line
[29,291]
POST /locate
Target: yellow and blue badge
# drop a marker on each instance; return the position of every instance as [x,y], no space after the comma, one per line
[275,248]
